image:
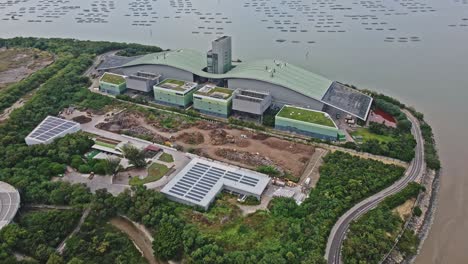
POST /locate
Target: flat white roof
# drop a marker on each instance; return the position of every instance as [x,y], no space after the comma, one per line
[50,128]
[200,180]
[106,149]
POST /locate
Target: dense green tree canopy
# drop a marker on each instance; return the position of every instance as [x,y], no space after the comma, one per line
[288,233]
[135,156]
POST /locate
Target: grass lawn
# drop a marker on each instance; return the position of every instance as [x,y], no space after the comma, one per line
[306,116]
[112,78]
[155,172]
[166,157]
[217,89]
[104,144]
[92,154]
[367,135]
[172,84]
[172,81]
[222,90]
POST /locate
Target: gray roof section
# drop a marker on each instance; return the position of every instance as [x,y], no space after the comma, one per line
[114,61]
[9,203]
[348,100]
[200,181]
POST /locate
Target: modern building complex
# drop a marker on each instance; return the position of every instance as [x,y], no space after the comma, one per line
[50,129]
[219,58]
[175,92]
[280,83]
[250,101]
[213,100]
[199,182]
[143,81]
[308,122]
[112,83]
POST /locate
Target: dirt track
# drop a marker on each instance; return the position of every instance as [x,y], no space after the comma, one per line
[137,236]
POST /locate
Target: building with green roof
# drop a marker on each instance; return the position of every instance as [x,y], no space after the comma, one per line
[213,100]
[308,122]
[173,92]
[287,83]
[112,83]
[269,71]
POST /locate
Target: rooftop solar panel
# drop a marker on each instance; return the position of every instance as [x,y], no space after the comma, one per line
[184,184]
[230,178]
[194,198]
[249,181]
[176,192]
[206,185]
[200,181]
[176,188]
[200,188]
[193,191]
[50,128]
[211,176]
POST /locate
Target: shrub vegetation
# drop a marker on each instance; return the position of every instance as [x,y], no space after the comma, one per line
[373,234]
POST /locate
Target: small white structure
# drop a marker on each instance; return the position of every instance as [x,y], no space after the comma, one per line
[199,182]
[51,128]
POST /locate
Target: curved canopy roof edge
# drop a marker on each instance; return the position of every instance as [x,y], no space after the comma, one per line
[271,71]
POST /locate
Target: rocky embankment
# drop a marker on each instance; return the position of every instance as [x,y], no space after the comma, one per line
[421,225]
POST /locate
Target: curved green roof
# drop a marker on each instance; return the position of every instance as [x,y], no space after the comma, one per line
[271,71]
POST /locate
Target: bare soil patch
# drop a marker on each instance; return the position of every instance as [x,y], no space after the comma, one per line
[220,137]
[242,143]
[215,140]
[195,138]
[405,209]
[260,136]
[17,64]
[246,158]
[142,132]
[205,125]
[82,119]
[292,147]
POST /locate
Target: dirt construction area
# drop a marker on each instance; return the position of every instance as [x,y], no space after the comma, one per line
[17,64]
[215,140]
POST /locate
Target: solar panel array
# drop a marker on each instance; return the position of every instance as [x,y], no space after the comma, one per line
[50,128]
[199,180]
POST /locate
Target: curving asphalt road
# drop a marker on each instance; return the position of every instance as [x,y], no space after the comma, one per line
[9,203]
[338,233]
